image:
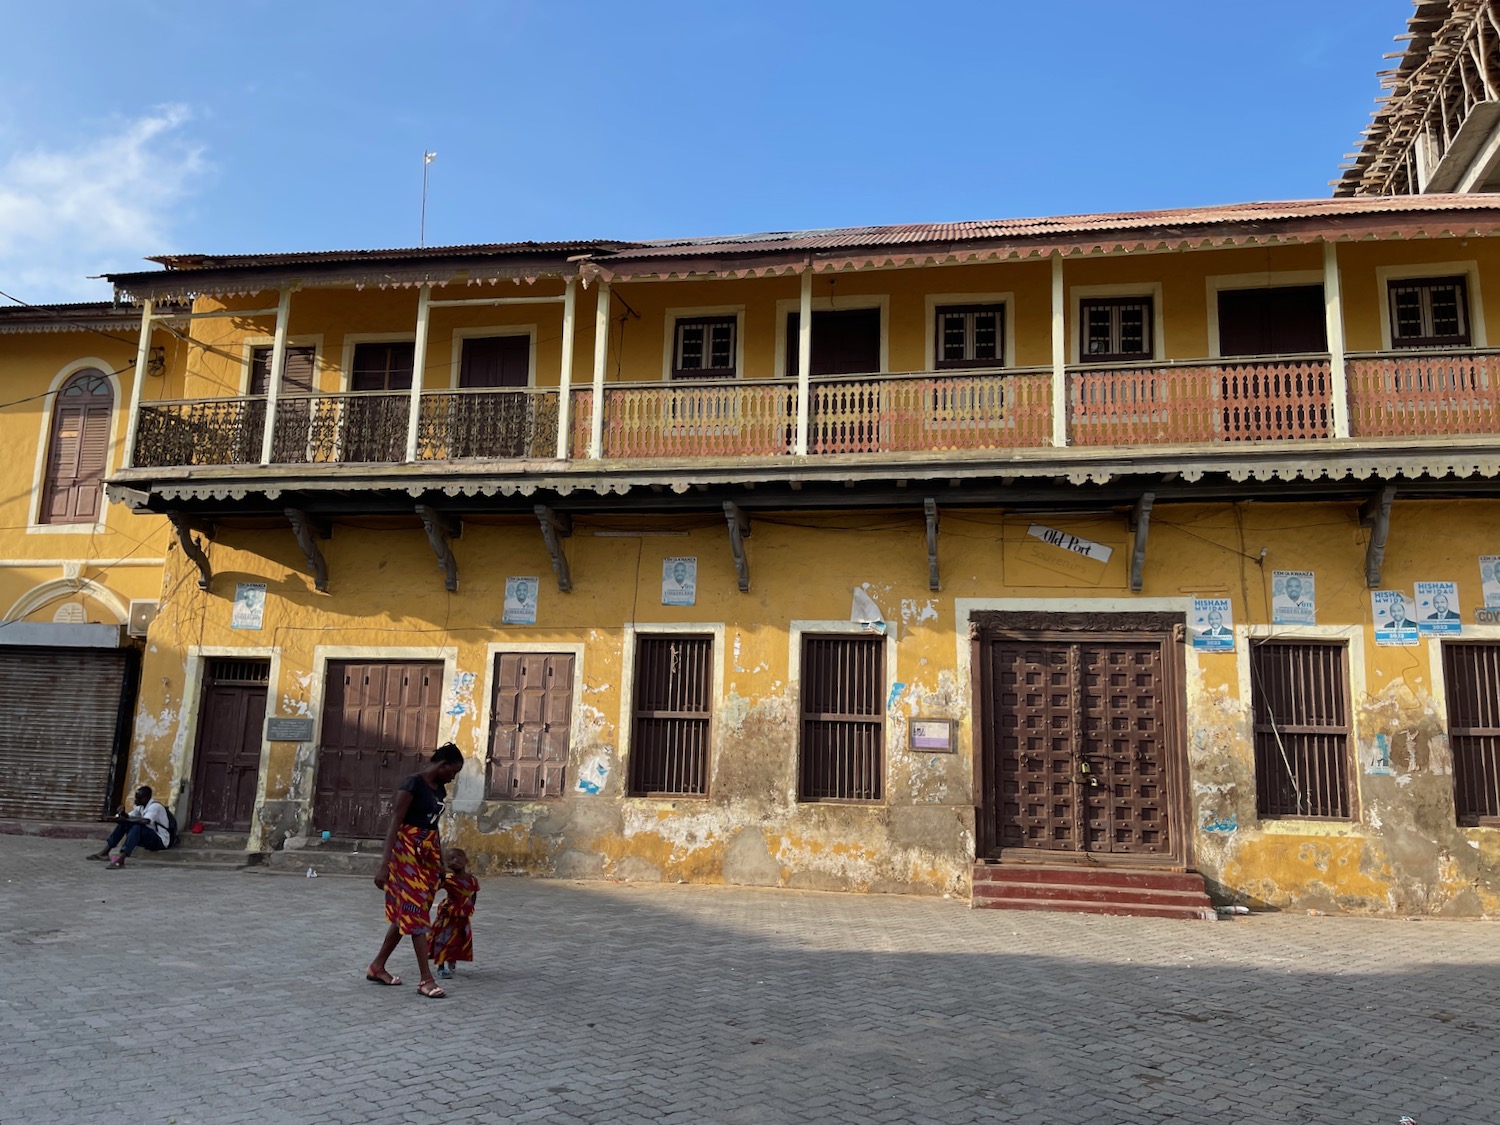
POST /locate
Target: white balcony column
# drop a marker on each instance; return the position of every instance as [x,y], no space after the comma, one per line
[138,380]
[1333,312]
[418,368]
[273,377]
[1059,354]
[601,355]
[804,362]
[565,373]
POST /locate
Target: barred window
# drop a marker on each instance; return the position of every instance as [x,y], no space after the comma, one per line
[843,731]
[704,348]
[1115,329]
[1429,312]
[1300,692]
[969,336]
[669,737]
[1471,680]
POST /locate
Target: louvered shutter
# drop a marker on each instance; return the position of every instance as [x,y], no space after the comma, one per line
[76,462]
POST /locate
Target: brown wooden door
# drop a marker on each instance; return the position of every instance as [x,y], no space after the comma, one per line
[226,757]
[1075,758]
[531,712]
[380,723]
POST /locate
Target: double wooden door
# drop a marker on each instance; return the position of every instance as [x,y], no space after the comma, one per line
[1077,754]
[226,755]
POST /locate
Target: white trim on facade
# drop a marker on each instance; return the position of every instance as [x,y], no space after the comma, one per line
[58,589]
[353,339]
[934,300]
[455,360]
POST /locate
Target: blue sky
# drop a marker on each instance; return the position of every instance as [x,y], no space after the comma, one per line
[159,126]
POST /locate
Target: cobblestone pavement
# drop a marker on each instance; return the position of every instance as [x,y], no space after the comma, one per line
[165,994]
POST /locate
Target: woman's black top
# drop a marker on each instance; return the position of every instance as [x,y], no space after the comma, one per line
[426,802]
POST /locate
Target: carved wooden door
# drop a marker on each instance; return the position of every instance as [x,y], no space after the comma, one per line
[1074,758]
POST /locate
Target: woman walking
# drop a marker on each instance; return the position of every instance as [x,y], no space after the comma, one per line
[412,868]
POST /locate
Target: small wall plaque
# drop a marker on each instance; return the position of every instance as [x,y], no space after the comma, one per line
[932,735]
[289,730]
[1487,615]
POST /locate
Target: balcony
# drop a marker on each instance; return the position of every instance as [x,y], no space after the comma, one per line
[1197,404]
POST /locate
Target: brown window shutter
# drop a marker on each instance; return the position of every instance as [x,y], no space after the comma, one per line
[79,450]
[297,377]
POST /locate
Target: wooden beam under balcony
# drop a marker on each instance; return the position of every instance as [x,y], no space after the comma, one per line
[1376,515]
[308,530]
[441,528]
[185,525]
[556,526]
[739,531]
[929,508]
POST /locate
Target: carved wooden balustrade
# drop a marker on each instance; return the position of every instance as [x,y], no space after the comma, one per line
[1424,394]
[1219,401]
[732,418]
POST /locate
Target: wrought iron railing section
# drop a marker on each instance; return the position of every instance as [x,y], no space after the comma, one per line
[489,425]
[340,429]
[1231,400]
[1424,395]
[215,431]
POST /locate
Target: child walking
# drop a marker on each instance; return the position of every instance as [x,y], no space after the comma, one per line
[452,936]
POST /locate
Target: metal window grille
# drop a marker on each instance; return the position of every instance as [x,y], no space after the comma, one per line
[1471,676]
[1116,328]
[842,754]
[705,348]
[1429,312]
[670,726]
[1300,695]
[970,336]
[234,671]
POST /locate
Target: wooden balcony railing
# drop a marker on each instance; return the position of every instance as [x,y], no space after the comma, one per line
[1426,394]
[1429,394]
[1184,404]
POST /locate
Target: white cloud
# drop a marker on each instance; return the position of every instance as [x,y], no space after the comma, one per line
[97,207]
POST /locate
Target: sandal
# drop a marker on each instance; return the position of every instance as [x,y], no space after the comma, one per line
[382,977]
[97,855]
[431,989]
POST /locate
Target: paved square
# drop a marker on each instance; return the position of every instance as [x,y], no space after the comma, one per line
[165,994]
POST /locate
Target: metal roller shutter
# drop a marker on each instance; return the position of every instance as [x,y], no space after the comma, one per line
[60,720]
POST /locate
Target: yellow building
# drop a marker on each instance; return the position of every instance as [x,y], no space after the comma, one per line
[79,578]
[1038,558]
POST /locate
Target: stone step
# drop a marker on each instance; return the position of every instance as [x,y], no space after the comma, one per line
[1090,888]
[325,861]
[1075,892]
[57,829]
[218,841]
[1128,910]
[1091,875]
[201,857]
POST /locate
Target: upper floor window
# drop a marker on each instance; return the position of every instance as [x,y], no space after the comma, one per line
[1429,312]
[1115,329]
[382,366]
[969,336]
[296,371]
[78,449]
[704,348]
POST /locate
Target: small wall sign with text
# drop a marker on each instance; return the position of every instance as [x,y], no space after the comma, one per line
[932,735]
[1487,615]
[289,730]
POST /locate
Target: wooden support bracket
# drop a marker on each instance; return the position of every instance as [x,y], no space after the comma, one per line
[185,525]
[1375,514]
[441,528]
[929,506]
[556,526]
[308,530]
[739,531]
[1140,528]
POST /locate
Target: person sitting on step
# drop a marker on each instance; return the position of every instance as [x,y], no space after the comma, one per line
[144,826]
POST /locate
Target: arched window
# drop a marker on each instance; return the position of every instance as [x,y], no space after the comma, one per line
[81,417]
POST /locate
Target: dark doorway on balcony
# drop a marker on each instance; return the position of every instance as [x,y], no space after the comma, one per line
[495,361]
[1281,320]
[844,342]
[226,756]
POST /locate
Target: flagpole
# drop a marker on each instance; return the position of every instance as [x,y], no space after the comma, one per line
[427,158]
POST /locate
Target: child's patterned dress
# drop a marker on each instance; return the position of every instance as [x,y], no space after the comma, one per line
[452,937]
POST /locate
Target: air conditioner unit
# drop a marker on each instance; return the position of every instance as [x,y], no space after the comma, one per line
[142,613]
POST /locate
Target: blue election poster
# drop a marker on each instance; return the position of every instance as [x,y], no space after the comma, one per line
[1213,625]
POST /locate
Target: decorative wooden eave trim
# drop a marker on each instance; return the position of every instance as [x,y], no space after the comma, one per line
[556,526]
[308,530]
[930,511]
[739,531]
[1375,514]
[185,285]
[185,525]
[441,528]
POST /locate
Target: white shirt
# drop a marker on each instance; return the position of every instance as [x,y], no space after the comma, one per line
[156,813]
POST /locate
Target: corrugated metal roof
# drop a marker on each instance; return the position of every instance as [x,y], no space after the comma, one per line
[400,253]
[78,316]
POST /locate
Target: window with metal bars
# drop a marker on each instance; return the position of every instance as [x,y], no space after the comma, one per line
[232,670]
[1471,683]
[669,734]
[1300,693]
[969,336]
[1429,312]
[842,755]
[1115,329]
[705,348]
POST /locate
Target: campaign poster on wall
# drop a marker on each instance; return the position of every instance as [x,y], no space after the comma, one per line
[1489,578]
[249,605]
[679,581]
[1213,625]
[1437,609]
[1394,623]
[520,601]
[1293,598]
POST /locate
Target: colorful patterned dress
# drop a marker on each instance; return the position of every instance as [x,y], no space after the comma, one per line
[452,936]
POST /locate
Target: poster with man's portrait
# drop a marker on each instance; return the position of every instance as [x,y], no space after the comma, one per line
[679,581]
[1489,579]
[1293,601]
[1395,627]
[520,601]
[1437,609]
[249,605]
[1213,625]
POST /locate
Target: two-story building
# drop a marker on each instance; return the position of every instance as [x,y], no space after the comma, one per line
[79,577]
[894,558]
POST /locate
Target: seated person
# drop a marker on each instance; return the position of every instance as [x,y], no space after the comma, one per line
[143,826]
